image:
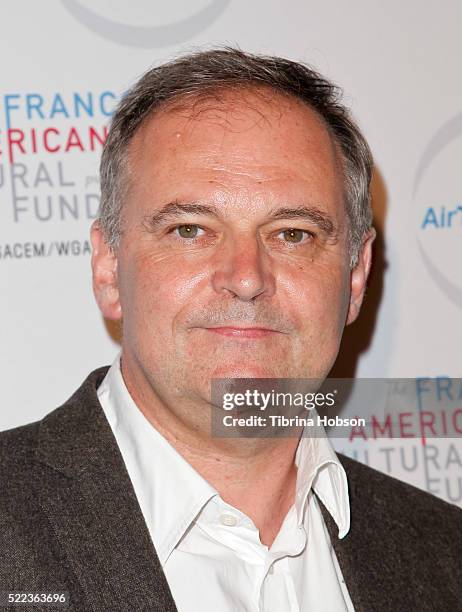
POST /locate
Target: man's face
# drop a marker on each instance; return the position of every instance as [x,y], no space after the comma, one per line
[233,261]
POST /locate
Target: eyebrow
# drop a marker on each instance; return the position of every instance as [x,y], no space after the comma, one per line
[308,213]
[173,210]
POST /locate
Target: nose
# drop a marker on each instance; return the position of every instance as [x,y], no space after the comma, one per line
[243,270]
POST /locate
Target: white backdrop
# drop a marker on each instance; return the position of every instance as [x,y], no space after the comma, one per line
[64,63]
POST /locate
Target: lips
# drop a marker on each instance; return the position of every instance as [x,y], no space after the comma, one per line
[243,332]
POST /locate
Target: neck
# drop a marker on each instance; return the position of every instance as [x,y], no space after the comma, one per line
[258,479]
[256,476]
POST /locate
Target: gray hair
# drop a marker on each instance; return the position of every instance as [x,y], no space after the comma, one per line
[209,71]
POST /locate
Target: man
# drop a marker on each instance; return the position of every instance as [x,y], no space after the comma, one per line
[234,241]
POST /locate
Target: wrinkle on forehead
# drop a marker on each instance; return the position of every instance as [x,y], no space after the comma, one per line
[226,103]
[236,109]
[221,106]
[178,124]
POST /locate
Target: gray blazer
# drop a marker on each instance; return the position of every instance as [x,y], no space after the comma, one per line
[70,522]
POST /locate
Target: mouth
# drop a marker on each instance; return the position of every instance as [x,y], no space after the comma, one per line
[243,332]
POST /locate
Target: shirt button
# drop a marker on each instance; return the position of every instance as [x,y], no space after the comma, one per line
[271,569]
[228,519]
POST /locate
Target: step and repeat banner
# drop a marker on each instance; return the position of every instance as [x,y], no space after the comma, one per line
[65,64]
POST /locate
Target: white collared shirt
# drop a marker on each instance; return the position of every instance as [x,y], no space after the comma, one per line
[210,551]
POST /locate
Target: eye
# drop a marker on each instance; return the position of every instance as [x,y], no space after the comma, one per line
[294,235]
[188,231]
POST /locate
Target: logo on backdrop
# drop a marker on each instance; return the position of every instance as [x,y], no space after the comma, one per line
[438,206]
[50,144]
[146,36]
[414,432]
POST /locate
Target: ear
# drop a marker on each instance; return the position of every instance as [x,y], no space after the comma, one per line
[104,266]
[358,277]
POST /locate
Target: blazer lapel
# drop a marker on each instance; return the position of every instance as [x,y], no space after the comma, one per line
[350,561]
[379,563]
[86,493]
[361,552]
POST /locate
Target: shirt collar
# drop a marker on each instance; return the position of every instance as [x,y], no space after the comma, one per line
[171,493]
[319,468]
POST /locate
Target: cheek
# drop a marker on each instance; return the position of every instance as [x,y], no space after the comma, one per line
[153,292]
[317,297]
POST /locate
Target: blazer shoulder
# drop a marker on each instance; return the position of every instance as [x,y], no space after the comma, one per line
[401,501]
[17,475]
[18,444]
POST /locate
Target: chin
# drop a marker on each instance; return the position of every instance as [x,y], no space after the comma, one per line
[244,371]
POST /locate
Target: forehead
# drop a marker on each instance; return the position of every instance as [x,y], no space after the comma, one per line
[237,138]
